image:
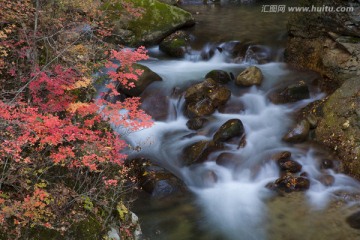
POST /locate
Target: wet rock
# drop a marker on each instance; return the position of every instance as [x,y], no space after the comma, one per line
[201,108]
[176,45]
[155,180]
[204,98]
[196,123]
[250,76]
[144,80]
[281,156]
[299,133]
[219,96]
[219,76]
[327,180]
[289,165]
[289,183]
[354,220]
[209,178]
[230,129]
[227,159]
[199,151]
[156,105]
[292,93]
[158,21]
[326,164]
[232,106]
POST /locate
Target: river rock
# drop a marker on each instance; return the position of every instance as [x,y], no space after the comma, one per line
[156,22]
[196,123]
[327,180]
[289,165]
[219,76]
[204,98]
[290,183]
[230,129]
[154,179]
[354,220]
[144,80]
[156,104]
[227,159]
[250,76]
[292,93]
[176,45]
[199,151]
[299,133]
[281,156]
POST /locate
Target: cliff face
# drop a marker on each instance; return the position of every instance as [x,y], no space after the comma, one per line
[329,42]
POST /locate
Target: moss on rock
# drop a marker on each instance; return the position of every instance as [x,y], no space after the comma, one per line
[157,21]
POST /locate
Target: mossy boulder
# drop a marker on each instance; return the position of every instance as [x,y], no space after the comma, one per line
[43,233]
[144,80]
[176,45]
[339,128]
[157,21]
[89,229]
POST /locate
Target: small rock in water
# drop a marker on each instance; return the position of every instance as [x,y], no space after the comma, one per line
[327,180]
[289,165]
[354,220]
[326,164]
[249,77]
[299,133]
[281,156]
[291,93]
[289,183]
[231,128]
[196,123]
[219,76]
[227,159]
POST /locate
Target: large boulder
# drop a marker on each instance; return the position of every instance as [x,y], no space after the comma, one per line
[176,45]
[339,127]
[144,80]
[249,77]
[327,42]
[157,21]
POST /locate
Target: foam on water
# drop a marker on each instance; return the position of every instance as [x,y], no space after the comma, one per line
[234,199]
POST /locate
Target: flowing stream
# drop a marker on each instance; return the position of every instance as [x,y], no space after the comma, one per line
[232,202]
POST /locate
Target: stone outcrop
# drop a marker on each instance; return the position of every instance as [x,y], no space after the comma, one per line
[157,21]
[329,42]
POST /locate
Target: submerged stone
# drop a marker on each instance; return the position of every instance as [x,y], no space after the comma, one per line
[299,133]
